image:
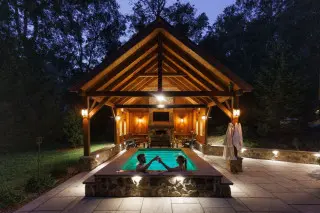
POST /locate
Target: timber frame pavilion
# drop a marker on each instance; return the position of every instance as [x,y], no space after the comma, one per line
[158,61]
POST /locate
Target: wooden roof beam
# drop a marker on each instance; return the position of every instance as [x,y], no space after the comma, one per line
[140,68]
[125,65]
[181,87]
[153,93]
[181,67]
[193,63]
[143,84]
[138,106]
[148,75]
[205,74]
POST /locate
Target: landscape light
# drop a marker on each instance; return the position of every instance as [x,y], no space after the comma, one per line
[136,179]
[275,153]
[317,155]
[160,97]
[179,178]
[118,118]
[97,156]
[236,113]
[84,113]
[243,150]
[161,106]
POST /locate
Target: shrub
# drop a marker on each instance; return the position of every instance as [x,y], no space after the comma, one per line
[249,143]
[9,196]
[296,143]
[263,129]
[72,128]
[221,129]
[35,185]
[59,171]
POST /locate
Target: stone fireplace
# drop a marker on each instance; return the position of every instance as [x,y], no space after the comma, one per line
[160,132]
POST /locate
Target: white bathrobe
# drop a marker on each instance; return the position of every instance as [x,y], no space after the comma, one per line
[233,138]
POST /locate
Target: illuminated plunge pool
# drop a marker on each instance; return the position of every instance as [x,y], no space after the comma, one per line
[119,178]
[168,156]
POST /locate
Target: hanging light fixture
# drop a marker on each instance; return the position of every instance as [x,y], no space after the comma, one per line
[160,97]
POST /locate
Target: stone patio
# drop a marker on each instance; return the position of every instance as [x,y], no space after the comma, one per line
[264,186]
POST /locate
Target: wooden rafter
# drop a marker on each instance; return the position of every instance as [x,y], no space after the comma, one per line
[189,86]
[194,64]
[205,75]
[123,68]
[141,67]
[141,86]
[99,106]
[224,109]
[197,78]
[193,100]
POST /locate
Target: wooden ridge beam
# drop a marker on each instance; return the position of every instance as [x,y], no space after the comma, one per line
[153,93]
[138,106]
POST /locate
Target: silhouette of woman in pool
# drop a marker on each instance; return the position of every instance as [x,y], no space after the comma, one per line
[182,164]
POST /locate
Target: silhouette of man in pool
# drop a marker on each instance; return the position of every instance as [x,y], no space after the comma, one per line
[142,166]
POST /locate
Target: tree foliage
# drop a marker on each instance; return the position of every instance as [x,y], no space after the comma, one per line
[183,16]
[272,45]
[45,44]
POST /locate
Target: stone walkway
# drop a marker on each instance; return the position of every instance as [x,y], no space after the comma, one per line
[264,186]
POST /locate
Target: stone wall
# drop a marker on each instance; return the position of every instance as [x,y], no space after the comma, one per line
[87,163]
[158,186]
[260,153]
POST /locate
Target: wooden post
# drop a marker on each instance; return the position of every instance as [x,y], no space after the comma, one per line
[114,111]
[235,106]
[206,126]
[86,131]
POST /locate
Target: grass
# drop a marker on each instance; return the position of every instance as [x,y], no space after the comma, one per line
[17,168]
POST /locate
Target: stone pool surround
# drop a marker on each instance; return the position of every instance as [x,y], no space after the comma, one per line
[110,181]
[266,154]
[88,163]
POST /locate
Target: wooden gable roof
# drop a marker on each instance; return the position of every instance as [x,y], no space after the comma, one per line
[158,58]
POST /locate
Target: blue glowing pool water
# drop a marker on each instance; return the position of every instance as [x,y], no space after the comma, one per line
[168,156]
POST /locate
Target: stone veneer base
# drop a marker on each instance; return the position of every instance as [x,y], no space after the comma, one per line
[266,154]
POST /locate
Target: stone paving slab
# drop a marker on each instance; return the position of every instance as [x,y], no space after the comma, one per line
[264,186]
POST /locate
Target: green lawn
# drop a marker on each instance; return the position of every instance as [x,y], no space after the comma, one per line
[17,168]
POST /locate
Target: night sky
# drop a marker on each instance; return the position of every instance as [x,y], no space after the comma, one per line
[211,7]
